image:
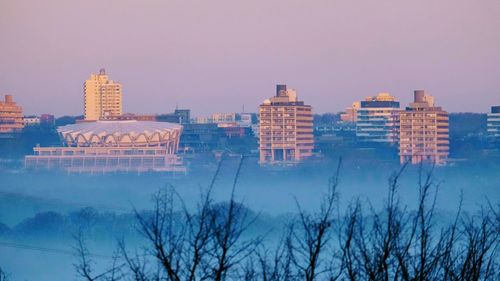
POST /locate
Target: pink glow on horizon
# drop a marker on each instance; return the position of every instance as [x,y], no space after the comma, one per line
[215,56]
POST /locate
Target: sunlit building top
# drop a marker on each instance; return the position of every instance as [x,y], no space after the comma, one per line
[424,131]
[11,116]
[286,128]
[102,97]
[380,100]
[377,119]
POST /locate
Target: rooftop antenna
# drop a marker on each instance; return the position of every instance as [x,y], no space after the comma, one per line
[243,108]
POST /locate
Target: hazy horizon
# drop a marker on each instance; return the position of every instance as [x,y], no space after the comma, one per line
[216,56]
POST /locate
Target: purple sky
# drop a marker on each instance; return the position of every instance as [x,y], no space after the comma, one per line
[215,56]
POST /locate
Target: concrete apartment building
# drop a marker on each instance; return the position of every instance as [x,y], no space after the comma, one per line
[11,116]
[286,128]
[424,131]
[103,97]
[493,125]
[378,119]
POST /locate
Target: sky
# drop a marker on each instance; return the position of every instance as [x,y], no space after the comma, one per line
[218,55]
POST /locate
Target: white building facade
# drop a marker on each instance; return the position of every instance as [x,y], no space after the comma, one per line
[493,124]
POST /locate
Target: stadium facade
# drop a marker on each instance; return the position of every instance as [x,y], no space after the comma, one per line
[112,146]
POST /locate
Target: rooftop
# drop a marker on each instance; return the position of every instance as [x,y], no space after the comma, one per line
[118,127]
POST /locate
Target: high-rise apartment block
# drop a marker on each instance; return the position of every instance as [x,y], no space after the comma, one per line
[424,131]
[11,116]
[494,124]
[378,119]
[103,97]
[286,128]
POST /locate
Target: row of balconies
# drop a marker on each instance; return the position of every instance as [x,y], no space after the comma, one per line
[422,147]
[419,152]
[438,129]
[421,138]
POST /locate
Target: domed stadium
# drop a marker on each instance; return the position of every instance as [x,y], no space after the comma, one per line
[112,146]
[129,133]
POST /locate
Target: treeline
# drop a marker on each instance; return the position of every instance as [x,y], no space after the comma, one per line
[101,226]
[54,225]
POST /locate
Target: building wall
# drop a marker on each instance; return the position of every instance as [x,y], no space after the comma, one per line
[31,121]
[246,119]
[286,128]
[216,118]
[378,125]
[201,137]
[424,132]
[104,159]
[223,117]
[376,119]
[47,120]
[493,124]
[112,146]
[11,116]
[102,97]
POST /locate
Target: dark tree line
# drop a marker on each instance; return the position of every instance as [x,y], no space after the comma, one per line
[362,243]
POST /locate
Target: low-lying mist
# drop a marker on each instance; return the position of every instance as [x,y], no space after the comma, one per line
[45,209]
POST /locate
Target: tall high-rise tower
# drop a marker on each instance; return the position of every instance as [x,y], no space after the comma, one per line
[103,97]
[286,128]
[424,132]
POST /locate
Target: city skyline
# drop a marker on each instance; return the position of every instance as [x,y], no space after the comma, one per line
[196,55]
[229,140]
[244,108]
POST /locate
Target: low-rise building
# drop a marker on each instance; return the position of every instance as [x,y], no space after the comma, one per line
[246,119]
[235,129]
[180,116]
[223,117]
[200,137]
[184,115]
[31,121]
[47,120]
[216,118]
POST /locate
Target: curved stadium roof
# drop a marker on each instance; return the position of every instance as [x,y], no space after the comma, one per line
[120,133]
